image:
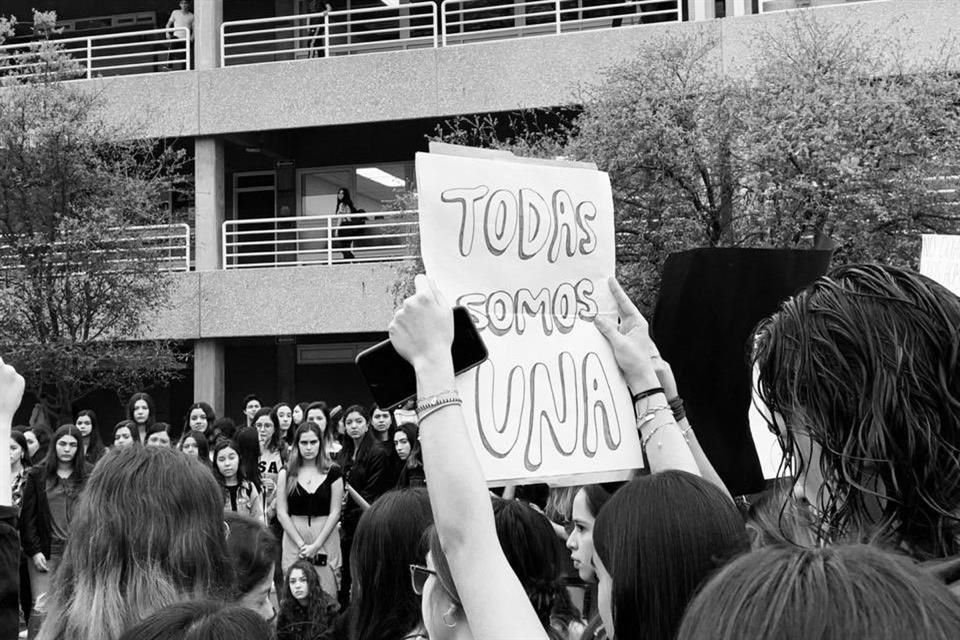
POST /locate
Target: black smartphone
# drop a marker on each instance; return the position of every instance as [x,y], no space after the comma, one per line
[392,380]
[319,560]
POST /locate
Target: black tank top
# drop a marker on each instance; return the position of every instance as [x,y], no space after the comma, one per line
[301,502]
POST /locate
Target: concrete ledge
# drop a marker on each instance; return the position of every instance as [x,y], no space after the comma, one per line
[279,301]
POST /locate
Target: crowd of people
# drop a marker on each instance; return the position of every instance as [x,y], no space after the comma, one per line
[302,521]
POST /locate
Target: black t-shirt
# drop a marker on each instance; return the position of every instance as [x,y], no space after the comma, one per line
[301,502]
[233,496]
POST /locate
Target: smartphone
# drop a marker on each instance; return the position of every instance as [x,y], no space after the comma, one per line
[319,560]
[391,379]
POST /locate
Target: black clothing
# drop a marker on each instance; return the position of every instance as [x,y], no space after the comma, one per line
[301,502]
[9,574]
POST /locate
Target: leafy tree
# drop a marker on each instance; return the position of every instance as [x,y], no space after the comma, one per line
[832,138]
[77,284]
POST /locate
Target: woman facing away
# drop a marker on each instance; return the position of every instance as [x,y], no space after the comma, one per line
[308,506]
[148,532]
[48,512]
[873,447]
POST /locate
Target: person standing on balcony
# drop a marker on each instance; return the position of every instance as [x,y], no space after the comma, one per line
[181,18]
[345,217]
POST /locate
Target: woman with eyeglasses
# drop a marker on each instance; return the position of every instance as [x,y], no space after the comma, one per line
[273,458]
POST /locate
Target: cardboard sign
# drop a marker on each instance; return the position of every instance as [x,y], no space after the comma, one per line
[940,260]
[527,248]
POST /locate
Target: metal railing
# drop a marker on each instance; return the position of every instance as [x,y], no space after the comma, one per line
[769,6]
[329,33]
[381,236]
[169,244]
[128,53]
[465,21]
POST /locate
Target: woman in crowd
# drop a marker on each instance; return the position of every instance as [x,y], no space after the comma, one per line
[194,444]
[93,448]
[318,413]
[537,557]
[253,551]
[366,475]
[387,541]
[19,465]
[201,620]
[406,443]
[248,447]
[873,446]
[47,516]
[650,556]
[125,434]
[282,415]
[299,415]
[223,429]
[158,435]
[307,612]
[142,411]
[148,533]
[309,499]
[239,494]
[587,502]
[837,593]
[273,457]
[200,417]
[381,423]
[38,443]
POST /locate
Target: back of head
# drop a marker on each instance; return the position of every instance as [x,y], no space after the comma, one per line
[535,553]
[147,532]
[201,620]
[833,593]
[252,548]
[659,537]
[886,416]
[387,541]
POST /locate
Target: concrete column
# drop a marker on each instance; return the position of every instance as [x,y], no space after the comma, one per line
[208,374]
[208,17]
[700,10]
[209,181]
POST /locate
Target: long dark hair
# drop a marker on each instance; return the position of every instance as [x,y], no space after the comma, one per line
[207,411]
[43,435]
[274,414]
[659,537]
[203,447]
[311,621]
[413,437]
[201,620]
[274,444]
[152,417]
[94,450]
[866,363]
[76,465]
[856,591]
[387,541]
[130,426]
[241,474]
[367,442]
[347,199]
[538,558]
[248,447]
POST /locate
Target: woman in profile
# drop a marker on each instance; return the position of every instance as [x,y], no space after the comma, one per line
[148,532]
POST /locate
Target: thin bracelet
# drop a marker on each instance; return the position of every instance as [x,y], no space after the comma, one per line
[637,397]
[649,415]
[646,441]
[686,432]
[423,414]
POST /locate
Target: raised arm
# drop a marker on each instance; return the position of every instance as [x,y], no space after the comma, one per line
[660,435]
[494,601]
[11,392]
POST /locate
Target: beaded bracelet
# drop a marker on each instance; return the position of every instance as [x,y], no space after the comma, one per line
[676,405]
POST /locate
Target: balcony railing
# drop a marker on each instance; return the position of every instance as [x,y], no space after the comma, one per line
[768,6]
[112,54]
[381,236]
[329,33]
[169,244]
[467,21]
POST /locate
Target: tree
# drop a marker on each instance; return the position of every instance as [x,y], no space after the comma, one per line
[834,138]
[77,284]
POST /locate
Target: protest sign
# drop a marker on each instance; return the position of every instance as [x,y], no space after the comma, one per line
[528,248]
[940,259]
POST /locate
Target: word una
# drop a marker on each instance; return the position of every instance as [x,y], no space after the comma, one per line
[538,400]
[524,221]
[503,311]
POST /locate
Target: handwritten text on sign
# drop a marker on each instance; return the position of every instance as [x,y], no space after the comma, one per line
[527,249]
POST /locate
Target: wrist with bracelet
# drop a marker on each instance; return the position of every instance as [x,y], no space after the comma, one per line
[432,404]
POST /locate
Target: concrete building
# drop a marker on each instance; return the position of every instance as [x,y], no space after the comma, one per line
[283,106]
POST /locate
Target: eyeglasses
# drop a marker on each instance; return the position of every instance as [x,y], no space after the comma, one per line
[418,577]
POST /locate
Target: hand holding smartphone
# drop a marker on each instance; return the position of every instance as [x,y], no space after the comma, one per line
[392,380]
